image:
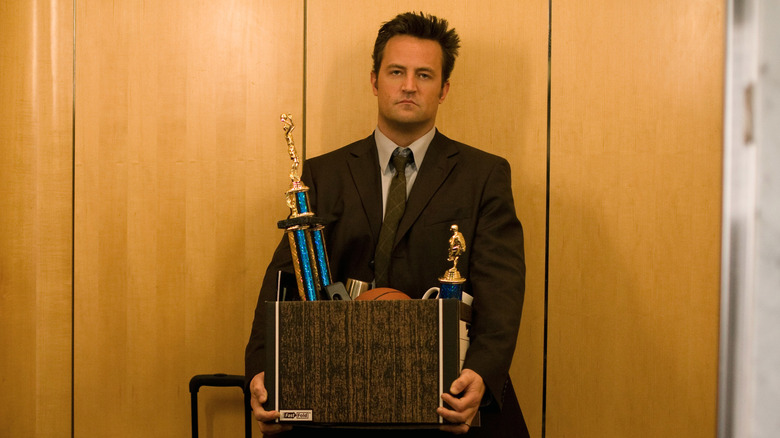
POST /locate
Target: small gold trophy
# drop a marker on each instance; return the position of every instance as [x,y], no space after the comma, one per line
[304,230]
[452,281]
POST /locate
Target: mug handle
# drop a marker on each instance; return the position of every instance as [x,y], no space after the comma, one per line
[430,293]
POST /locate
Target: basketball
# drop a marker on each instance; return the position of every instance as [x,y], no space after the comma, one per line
[382,293]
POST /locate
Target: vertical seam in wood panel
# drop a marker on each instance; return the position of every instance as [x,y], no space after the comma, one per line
[305,63]
[547,223]
[73,237]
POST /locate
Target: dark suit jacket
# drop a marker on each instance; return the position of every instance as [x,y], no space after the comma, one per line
[456,184]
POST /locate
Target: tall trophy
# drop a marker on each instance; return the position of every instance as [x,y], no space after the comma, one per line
[304,230]
[451,282]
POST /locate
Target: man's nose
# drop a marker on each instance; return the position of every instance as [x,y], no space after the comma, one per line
[409,84]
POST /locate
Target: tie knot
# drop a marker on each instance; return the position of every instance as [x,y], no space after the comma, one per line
[402,157]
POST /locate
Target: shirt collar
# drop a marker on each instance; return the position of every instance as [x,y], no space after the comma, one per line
[385,148]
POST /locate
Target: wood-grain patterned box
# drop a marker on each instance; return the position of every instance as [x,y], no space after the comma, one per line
[372,363]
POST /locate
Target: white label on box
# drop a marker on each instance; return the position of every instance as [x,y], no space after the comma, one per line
[295,415]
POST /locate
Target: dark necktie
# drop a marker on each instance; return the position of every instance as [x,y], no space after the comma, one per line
[394,209]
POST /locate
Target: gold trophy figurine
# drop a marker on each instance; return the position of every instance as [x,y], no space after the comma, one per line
[457,247]
[452,281]
[289,127]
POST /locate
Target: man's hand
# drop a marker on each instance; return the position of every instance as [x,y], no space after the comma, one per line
[468,390]
[264,418]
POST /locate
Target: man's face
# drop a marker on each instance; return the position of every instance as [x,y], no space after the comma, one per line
[408,85]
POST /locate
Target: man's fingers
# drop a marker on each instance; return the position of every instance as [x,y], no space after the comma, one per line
[256,401]
[464,382]
[459,384]
[451,416]
[261,414]
[457,404]
[266,416]
[260,397]
[265,420]
[460,422]
[460,412]
[467,400]
[257,387]
[464,398]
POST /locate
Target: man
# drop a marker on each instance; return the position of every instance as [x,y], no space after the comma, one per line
[355,189]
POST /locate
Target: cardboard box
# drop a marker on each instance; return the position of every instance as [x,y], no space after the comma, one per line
[370,363]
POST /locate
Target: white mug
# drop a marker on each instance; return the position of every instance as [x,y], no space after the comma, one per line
[434,293]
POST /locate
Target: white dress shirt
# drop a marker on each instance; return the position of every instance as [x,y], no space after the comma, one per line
[385,148]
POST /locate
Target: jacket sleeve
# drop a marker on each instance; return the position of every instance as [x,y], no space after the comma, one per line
[497,277]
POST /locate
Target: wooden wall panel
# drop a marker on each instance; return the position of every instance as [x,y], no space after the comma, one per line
[497,102]
[177,128]
[36,154]
[636,134]
[180,175]
[36,151]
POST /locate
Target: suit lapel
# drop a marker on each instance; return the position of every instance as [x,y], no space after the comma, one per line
[437,165]
[363,164]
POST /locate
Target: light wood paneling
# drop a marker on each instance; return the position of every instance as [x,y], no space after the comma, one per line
[497,102]
[180,174]
[36,153]
[177,124]
[635,218]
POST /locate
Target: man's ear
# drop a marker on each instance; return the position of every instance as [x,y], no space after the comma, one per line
[444,90]
[373,83]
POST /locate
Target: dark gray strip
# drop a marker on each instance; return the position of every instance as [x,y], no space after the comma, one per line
[547,224]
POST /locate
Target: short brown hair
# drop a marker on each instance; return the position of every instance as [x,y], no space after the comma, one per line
[423,26]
